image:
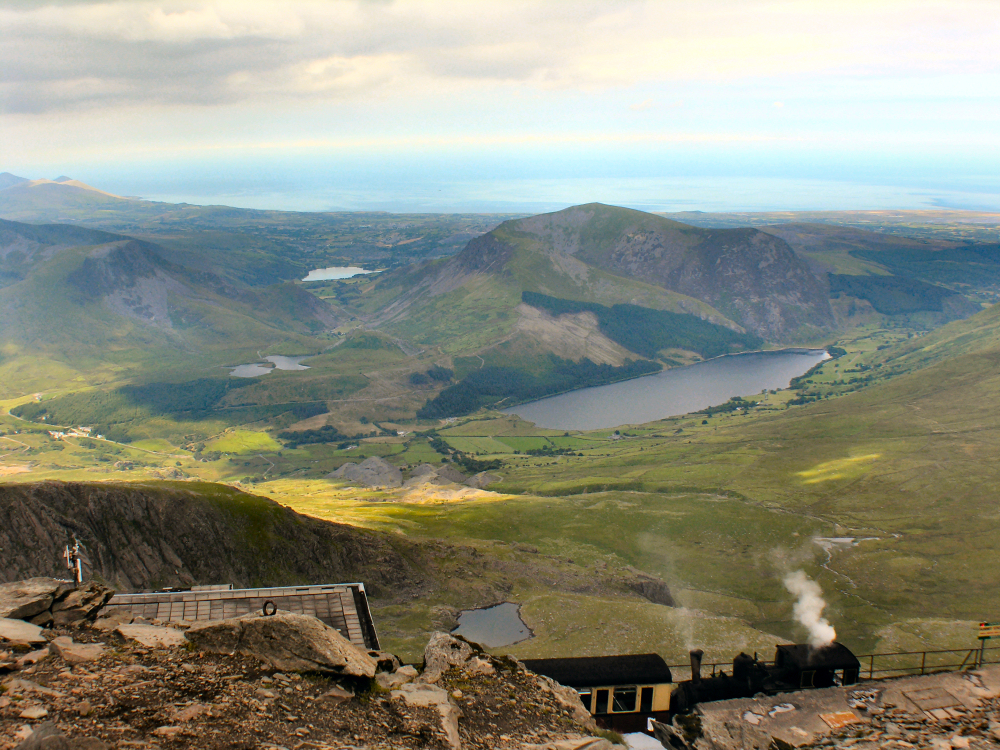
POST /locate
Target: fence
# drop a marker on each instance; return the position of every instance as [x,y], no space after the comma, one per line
[902,663]
[882,666]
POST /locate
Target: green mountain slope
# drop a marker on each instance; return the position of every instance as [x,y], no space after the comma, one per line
[82,301]
[474,299]
[751,277]
[602,255]
[903,473]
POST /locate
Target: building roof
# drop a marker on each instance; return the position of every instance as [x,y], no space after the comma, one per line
[803,656]
[343,606]
[594,671]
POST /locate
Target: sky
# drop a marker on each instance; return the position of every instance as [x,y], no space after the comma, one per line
[474,105]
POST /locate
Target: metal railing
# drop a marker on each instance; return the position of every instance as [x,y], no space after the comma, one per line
[883,666]
[902,663]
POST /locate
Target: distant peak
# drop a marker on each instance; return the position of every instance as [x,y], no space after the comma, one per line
[64,178]
[10,180]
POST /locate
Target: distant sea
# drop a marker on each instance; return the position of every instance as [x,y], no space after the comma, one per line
[539,195]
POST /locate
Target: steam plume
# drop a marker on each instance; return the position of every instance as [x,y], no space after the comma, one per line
[809,608]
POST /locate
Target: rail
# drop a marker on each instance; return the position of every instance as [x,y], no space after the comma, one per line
[902,663]
[883,666]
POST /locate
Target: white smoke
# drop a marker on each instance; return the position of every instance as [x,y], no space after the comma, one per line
[809,608]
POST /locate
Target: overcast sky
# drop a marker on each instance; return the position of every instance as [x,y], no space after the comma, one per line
[188,98]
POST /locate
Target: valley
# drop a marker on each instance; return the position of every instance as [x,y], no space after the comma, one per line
[122,329]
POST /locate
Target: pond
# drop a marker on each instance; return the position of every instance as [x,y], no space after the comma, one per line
[335,272]
[279,362]
[680,390]
[500,625]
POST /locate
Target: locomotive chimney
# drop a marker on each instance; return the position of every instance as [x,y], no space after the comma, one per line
[696,665]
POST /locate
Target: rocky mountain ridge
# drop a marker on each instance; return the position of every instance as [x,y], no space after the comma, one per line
[752,277]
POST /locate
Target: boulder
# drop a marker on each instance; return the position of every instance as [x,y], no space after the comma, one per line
[22,600]
[287,641]
[152,636]
[393,680]
[112,619]
[372,472]
[76,653]
[81,603]
[20,631]
[49,601]
[432,696]
[444,651]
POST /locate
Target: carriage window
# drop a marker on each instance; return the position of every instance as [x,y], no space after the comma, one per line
[624,698]
[585,697]
[601,702]
[646,700]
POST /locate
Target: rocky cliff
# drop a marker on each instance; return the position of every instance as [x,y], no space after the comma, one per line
[150,536]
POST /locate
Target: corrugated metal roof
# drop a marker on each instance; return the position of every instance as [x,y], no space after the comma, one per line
[343,606]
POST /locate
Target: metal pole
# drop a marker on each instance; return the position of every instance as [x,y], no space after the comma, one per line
[871,666]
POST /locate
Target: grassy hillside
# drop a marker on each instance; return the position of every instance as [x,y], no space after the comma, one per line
[719,507]
[461,307]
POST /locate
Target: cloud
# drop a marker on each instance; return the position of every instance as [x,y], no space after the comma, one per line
[67,56]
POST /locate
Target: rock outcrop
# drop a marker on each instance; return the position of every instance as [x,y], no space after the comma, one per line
[45,601]
[147,537]
[218,694]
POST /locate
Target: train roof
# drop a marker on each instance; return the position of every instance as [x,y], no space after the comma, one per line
[595,671]
[803,656]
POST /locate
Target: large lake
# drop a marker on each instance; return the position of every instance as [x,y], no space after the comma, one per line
[680,390]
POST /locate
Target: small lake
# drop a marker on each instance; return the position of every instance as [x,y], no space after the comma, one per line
[500,625]
[680,390]
[334,272]
[279,362]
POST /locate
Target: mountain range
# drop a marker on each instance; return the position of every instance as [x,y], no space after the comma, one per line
[534,296]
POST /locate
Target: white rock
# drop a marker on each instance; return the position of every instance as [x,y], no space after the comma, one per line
[432,696]
[152,636]
[20,631]
[76,653]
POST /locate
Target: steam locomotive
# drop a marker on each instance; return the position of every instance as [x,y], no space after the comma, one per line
[795,667]
[624,692]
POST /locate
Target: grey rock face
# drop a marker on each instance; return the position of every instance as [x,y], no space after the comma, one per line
[372,472]
[482,480]
[148,538]
[287,641]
